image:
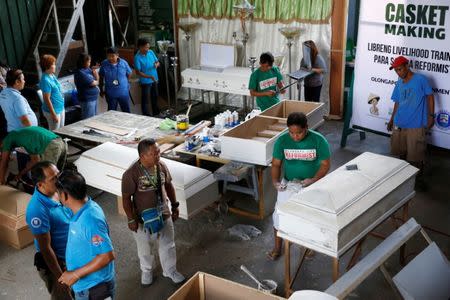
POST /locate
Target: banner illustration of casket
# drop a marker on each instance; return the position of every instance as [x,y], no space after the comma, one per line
[416,29]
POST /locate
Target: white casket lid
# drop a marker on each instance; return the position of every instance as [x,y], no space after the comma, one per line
[341,188]
[113,154]
[183,175]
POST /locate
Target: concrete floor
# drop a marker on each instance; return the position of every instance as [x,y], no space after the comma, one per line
[203,244]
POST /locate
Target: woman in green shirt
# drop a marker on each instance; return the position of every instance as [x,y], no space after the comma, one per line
[305,156]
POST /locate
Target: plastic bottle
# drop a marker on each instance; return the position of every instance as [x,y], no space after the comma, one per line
[235,118]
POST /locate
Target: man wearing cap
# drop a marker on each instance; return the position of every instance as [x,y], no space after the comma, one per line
[413,114]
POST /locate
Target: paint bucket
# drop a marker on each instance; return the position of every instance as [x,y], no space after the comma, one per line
[268,286]
[182,122]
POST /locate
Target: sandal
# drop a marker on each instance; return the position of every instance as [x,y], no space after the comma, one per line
[273,255]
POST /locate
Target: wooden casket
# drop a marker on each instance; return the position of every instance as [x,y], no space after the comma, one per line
[253,140]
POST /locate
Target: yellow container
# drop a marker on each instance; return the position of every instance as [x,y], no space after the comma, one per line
[182,122]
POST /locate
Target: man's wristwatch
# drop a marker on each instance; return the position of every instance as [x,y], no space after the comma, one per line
[175,204]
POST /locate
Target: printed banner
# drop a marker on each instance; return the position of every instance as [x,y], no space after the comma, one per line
[416,29]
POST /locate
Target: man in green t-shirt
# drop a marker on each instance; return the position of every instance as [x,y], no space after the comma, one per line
[40,144]
[264,82]
[305,156]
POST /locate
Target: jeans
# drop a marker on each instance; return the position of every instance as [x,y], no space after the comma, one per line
[88,109]
[166,247]
[312,93]
[52,125]
[84,295]
[123,101]
[150,94]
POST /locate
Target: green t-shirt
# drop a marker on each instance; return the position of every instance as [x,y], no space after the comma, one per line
[34,139]
[301,159]
[264,81]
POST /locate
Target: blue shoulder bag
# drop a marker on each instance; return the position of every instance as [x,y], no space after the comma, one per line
[152,217]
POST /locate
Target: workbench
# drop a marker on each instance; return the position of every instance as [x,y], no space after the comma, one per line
[139,127]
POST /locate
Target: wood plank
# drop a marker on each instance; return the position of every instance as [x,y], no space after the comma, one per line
[5,27]
[2,44]
[268,133]
[105,127]
[277,127]
[350,280]
[15,29]
[25,26]
[337,57]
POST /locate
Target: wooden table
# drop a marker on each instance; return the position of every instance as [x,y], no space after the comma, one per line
[139,126]
[288,242]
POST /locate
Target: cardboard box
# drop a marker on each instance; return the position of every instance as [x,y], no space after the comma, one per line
[13,227]
[314,111]
[207,287]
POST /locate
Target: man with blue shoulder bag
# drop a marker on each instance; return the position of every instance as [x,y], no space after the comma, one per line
[146,190]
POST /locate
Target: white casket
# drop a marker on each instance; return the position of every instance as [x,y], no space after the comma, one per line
[331,215]
[104,165]
[253,140]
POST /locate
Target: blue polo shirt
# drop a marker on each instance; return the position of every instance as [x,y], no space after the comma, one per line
[14,106]
[146,64]
[88,237]
[120,72]
[50,84]
[83,79]
[47,215]
[412,111]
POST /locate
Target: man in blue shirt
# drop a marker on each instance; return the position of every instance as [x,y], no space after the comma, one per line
[89,252]
[114,75]
[413,114]
[145,65]
[48,221]
[18,112]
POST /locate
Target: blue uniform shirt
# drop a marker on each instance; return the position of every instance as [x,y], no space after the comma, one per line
[46,215]
[88,237]
[83,79]
[412,111]
[49,84]
[119,72]
[14,106]
[146,64]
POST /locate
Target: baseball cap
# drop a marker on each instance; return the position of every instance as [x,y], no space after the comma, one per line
[398,61]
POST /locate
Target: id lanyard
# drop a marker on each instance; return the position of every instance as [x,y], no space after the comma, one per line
[158,184]
[115,81]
